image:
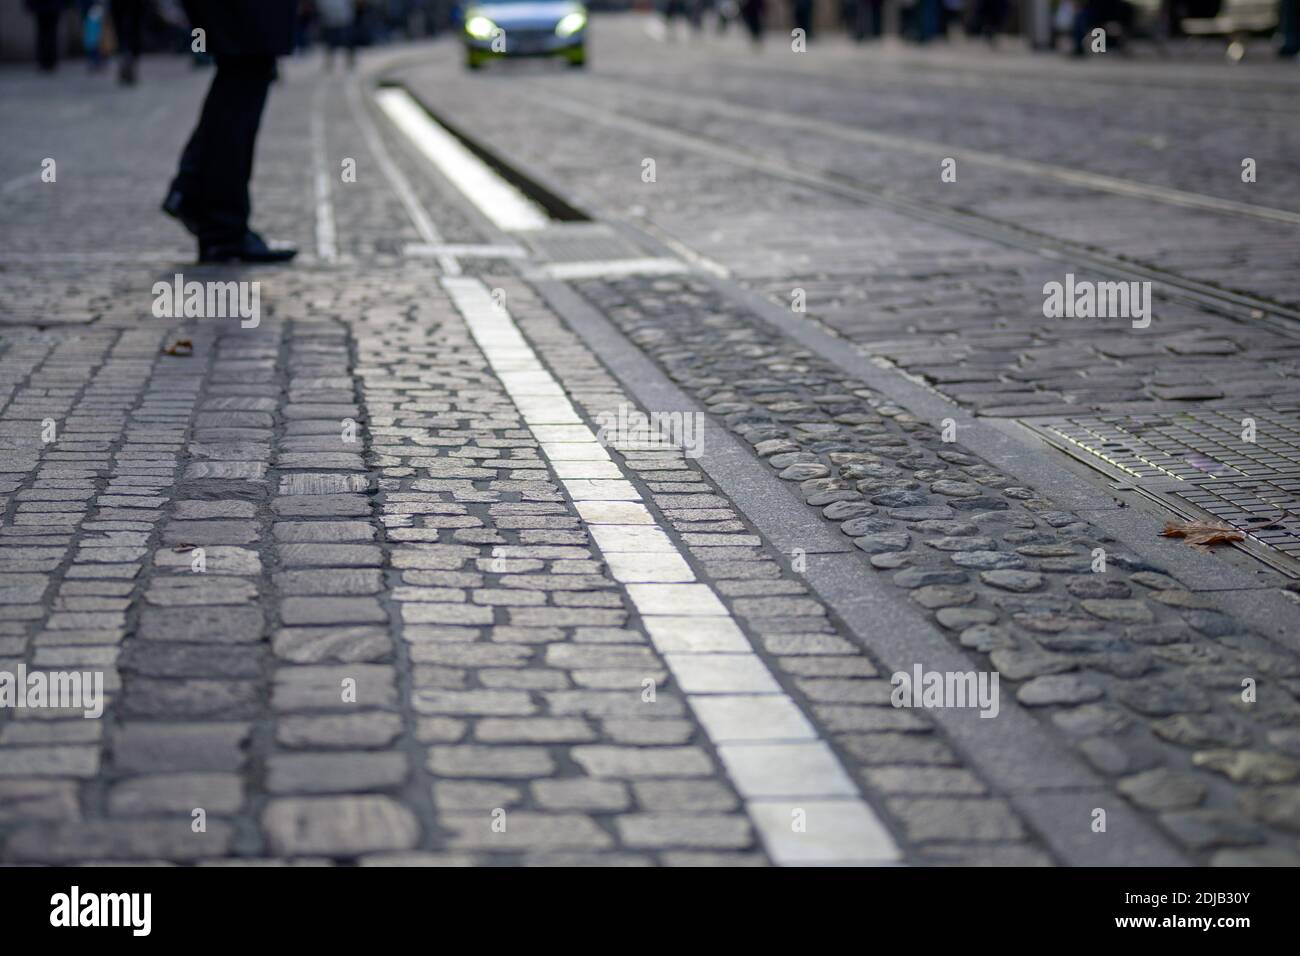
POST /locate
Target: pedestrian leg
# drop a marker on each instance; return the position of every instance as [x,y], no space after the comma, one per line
[1288,26]
[217,163]
[128,21]
[47,40]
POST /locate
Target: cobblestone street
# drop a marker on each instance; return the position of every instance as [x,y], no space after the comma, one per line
[378,575]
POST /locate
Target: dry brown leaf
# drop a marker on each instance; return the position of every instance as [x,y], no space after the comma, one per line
[181,347]
[1203,534]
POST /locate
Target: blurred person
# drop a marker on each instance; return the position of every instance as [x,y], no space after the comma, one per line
[950,12]
[1079,27]
[92,33]
[128,24]
[927,20]
[867,19]
[364,27]
[1093,14]
[339,21]
[1288,28]
[695,14]
[1062,23]
[302,24]
[987,20]
[692,11]
[1167,20]
[395,19]
[672,10]
[801,12]
[371,23]
[751,11]
[210,192]
[47,14]
[728,10]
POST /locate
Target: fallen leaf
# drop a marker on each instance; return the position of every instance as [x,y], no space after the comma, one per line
[181,347]
[1203,534]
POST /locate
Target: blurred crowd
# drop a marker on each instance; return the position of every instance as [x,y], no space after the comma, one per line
[1066,23]
[123,29]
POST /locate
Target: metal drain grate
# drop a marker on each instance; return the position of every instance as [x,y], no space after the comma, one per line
[1198,463]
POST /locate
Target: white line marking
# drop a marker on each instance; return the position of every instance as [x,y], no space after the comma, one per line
[326,234]
[397,179]
[508,208]
[609,268]
[466,250]
[696,259]
[784,772]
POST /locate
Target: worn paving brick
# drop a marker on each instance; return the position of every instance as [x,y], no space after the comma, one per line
[416,627]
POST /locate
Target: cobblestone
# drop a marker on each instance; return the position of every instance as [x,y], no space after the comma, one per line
[352,603]
[1043,635]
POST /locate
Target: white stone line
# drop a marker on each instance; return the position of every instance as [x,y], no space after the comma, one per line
[508,208]
[420,218]
[326,233]
[416,250]
[696,259]
[610,268]
[784,772]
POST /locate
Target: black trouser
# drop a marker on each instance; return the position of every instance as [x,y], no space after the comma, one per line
[47,39]
[866,19]
[128,21]
[803,16]
[1289,26]
[217,163]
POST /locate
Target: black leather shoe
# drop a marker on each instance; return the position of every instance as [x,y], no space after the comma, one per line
[176,207]
[252,248]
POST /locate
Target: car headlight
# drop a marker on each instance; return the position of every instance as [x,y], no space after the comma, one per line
[570,24]
[480,28]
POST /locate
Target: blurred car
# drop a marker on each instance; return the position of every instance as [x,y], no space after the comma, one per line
[493,29]
[1230,19]
[1234,19]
